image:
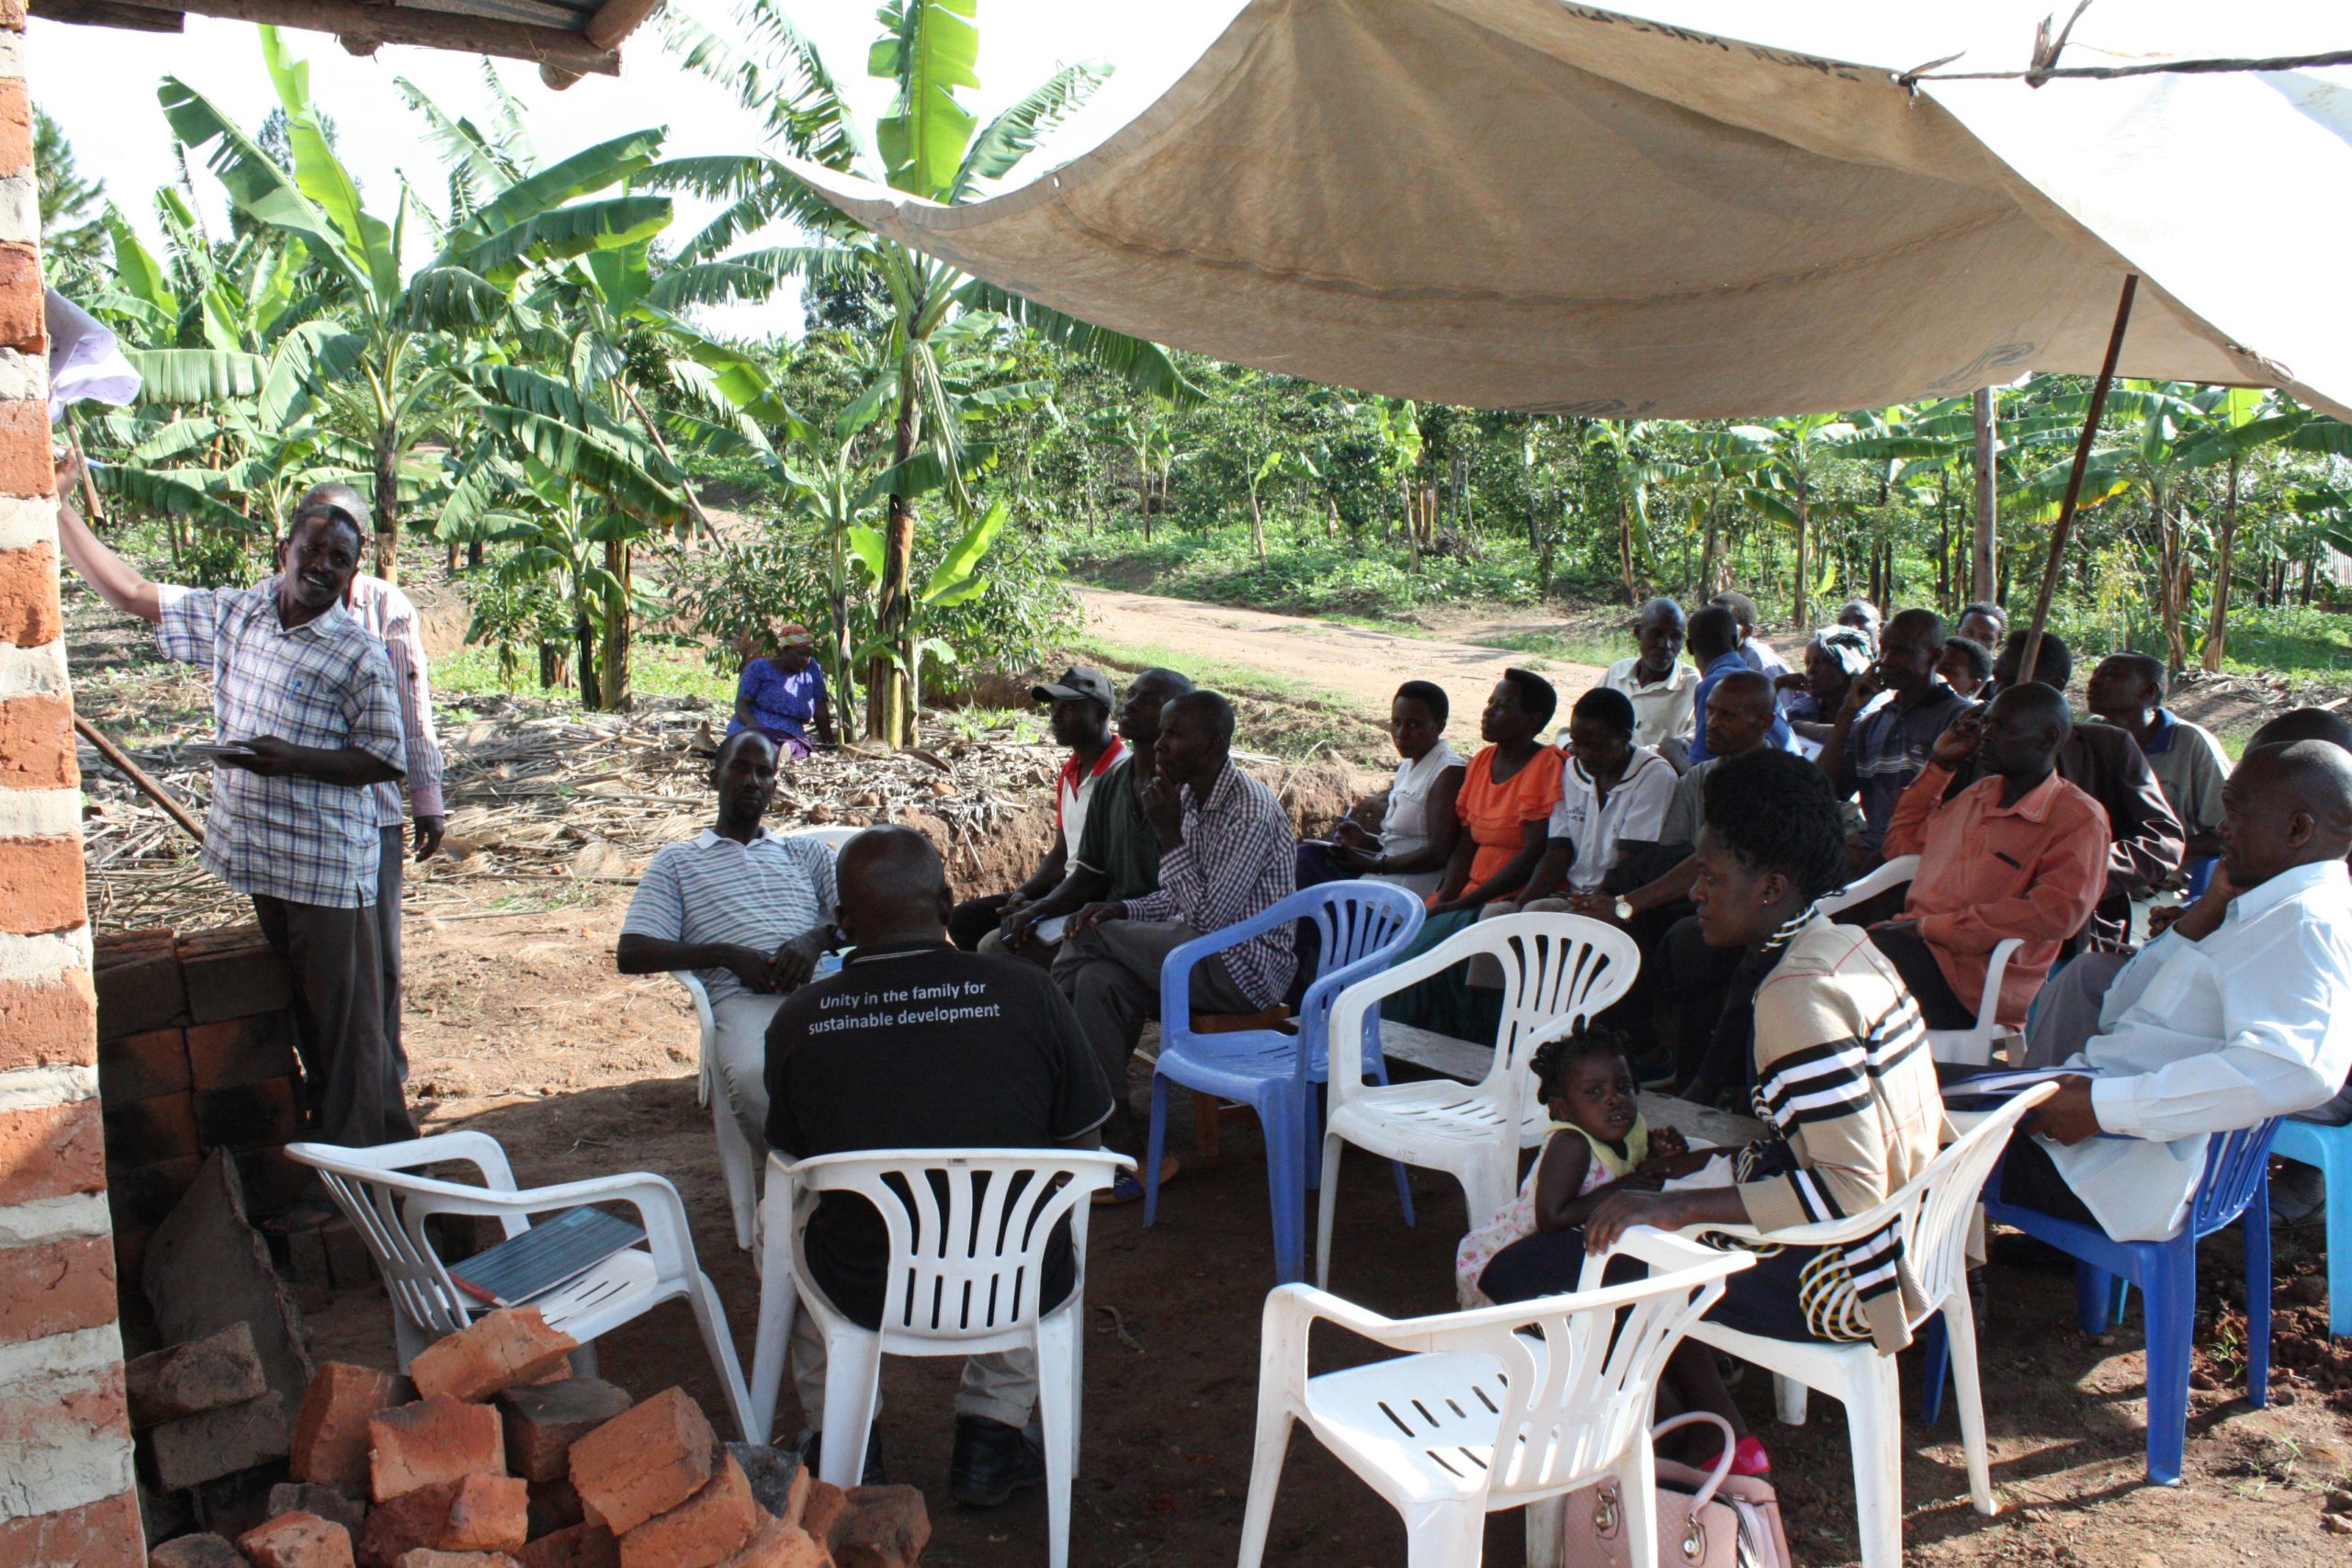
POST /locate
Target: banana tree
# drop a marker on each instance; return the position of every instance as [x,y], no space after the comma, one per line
[957,579]
[410,333]
[1621,448]
[929,144]
[2163,433]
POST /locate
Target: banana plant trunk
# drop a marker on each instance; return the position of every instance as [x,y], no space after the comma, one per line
[387,501]
[583,638]
[1257,525]
[2217,628]
[2171,581]
[1625,551]
[613,678]
[889,711]
[1799,609]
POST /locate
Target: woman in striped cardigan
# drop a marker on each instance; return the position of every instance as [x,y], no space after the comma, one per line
[1843,1082]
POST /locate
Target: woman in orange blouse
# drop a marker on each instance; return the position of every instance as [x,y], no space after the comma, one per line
[1507,797]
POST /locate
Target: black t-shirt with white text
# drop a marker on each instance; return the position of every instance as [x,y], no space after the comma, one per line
[922,1046]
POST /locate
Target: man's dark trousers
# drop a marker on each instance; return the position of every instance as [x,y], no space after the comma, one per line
[352,1084]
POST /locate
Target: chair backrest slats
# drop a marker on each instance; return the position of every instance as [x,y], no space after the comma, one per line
[2234,1165]
[969,1229]
[1573,1384]
[1360,923]
[1554,966]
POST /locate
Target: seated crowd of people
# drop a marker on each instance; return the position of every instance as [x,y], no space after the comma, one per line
[1715,809]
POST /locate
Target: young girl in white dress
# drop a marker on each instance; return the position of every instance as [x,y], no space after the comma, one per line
[1598,1144]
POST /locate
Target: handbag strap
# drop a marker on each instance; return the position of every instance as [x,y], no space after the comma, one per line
[1706,1493]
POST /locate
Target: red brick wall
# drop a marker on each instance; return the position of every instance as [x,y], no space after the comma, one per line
[65,1469]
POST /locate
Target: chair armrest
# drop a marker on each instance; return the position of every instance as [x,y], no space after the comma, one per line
[700,995]
[1988,1006]
[1892,874]
[1176,969]
[1322,998]
[479,1150]
[1347,1012]
[657,1203]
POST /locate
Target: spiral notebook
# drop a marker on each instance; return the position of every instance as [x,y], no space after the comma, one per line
[546,1256]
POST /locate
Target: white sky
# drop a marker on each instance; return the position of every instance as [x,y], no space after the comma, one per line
[99,84]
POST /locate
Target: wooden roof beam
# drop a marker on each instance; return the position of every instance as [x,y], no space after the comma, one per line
[357,23]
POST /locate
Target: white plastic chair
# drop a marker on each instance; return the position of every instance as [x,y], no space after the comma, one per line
[1494,1408]
[1971,1047]
[378,1192]
[738,1161]
[1558,970]
[1933,1212]
[968,1231]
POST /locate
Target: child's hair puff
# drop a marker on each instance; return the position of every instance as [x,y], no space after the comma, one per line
[1552,1059]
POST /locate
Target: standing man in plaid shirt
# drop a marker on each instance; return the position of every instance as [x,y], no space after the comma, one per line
[385,614]
[1225,854]
[307,696]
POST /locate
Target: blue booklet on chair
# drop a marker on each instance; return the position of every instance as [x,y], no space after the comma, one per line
[543,1257]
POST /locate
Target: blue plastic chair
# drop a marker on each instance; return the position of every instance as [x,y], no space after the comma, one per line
[1363,926]
[2330,1150]
[2200,876]
[2236,1184]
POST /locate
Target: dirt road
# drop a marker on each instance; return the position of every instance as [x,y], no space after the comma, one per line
[1365,665]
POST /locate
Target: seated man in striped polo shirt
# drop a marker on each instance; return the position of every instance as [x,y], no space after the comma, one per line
[749,912]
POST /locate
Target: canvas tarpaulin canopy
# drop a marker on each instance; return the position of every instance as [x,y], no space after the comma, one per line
[1530,205]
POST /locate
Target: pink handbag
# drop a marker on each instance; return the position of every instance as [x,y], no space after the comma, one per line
[1706,1518]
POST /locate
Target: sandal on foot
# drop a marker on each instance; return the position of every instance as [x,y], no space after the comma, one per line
[1128,1188]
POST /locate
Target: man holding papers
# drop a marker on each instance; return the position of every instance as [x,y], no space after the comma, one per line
[2241,1011]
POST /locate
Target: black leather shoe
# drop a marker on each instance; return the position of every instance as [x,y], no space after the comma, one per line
[993,1460]
[811,1440]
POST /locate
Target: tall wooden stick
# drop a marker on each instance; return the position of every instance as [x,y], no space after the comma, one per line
[1982,582]
[2066,523]
[139,777]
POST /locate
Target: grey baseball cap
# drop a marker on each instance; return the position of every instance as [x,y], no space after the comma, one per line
[1077,682]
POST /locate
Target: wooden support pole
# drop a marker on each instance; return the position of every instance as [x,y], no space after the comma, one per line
[359,22]
[2066,523]
[1982,585]
[144,782]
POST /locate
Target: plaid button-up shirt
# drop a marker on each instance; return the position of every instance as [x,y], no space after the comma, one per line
[326,684]
[386,614]
[1238,860]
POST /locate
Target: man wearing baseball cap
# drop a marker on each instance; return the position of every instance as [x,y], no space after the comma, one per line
[783,695]
[1082,701]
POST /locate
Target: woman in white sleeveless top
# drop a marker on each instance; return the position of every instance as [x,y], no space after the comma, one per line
[1416,838]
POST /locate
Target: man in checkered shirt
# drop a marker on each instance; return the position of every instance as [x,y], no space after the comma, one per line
[385,614]
[308,695]
[1226,853]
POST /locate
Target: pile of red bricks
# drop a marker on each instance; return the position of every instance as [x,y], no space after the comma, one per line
[490,1454]
[196,1053]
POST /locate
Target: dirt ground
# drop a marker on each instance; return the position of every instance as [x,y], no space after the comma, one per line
[1355,661]
[520,1027]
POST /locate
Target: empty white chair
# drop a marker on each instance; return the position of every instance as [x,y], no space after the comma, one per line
[1933,1213]
[1971,1047]
[1558,970]
[738,1161]
[968,1231]
[378,1192]
[1495,1408]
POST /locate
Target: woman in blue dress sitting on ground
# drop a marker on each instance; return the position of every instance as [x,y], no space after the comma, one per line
[782,694]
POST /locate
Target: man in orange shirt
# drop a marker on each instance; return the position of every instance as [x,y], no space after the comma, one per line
[2021,853]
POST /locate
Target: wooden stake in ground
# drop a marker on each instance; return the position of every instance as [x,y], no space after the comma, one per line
[139,777]
[2066,522]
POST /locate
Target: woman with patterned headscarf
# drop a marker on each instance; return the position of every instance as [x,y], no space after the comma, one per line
[1809,702]
[782,694]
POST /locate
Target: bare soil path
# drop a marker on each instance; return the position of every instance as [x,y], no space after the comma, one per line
[1355,661]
